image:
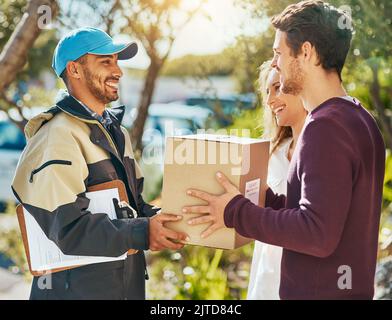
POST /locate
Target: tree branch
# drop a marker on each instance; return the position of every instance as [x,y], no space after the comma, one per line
[21,124]
[14,55]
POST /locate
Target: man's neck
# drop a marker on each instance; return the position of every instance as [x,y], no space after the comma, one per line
[320,88]
[297,128]
[90,102]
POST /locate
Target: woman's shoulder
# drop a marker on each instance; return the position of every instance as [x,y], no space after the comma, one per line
[283,147]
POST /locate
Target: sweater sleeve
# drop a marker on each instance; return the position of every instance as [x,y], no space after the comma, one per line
[326,172]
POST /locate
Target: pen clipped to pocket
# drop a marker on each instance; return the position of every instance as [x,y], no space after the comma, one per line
[124,210]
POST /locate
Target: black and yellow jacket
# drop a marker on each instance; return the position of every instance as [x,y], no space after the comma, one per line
[67,151]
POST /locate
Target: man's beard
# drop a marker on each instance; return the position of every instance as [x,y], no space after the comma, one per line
[294,83]
[92,81]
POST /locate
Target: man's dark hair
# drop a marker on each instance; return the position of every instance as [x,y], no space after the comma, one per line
[63,75]
[320,24]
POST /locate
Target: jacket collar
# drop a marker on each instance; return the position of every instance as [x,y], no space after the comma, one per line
[70,105]
[117,113]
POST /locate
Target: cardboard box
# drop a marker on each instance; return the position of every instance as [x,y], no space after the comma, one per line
[192,162]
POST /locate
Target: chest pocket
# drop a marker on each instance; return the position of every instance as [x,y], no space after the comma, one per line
[46,164]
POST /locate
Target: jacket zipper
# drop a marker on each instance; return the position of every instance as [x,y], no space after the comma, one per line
[111,142]
[108,136]
[146,276]
[48,163]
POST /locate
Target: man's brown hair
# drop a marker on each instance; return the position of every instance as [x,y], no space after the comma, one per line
[322,25]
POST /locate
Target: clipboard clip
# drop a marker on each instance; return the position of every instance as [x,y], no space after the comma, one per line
[124,210]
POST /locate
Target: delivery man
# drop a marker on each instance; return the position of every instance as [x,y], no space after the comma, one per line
[79,143]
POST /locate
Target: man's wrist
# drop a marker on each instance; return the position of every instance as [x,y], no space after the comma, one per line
[228,214]
[139,234]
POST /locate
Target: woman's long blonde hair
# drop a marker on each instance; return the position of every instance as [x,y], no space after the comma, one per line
[276,134]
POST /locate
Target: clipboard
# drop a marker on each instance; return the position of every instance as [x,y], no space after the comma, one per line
[114,184]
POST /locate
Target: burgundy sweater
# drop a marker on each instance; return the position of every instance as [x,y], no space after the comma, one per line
[330,217]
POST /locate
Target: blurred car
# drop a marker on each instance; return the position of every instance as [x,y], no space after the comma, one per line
[223,106]
[178,118]
[12,142]
[5,261]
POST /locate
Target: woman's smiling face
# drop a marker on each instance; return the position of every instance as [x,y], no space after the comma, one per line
[285,107]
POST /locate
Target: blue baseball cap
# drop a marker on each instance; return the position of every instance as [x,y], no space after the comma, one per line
[88,40]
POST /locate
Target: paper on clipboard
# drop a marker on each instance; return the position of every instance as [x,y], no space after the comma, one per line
[44,253]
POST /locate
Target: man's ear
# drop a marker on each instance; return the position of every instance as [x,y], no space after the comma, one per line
[310,54]
[73,70]
[307,51]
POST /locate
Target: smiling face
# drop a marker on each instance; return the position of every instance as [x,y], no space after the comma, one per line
[101,75]
[287,108]
[291,72]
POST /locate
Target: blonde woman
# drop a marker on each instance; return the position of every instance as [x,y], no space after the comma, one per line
[283,118]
